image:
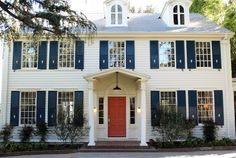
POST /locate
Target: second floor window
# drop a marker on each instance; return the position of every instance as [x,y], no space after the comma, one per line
[167,54]
[178,15]
[116,54]
[203,54]
[116,14]
[66,54]
[29,55]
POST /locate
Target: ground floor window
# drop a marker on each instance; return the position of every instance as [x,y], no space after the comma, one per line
[132,110]
[205,106]
[101,111]
[65,107]
[168,100]
[28,108]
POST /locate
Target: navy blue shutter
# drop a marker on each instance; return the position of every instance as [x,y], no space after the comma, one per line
[79,108]
[181,102]
[103,55]
[42,59]
[15,100]
[191,58]
[41,107]
[52,108]
[130,55]
[17,48]
[219,107]
[79,55]
[155,104]
[53,57]
[154,55]
[216,51]
[192,102]
[180,59]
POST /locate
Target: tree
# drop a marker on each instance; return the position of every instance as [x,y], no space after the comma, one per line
[132,9]
[149,9]
[224,15]
[42,17]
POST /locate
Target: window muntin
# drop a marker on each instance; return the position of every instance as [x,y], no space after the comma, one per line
[29,55]
[66,54]
[167,54]
[65,107]
[168,100]
[205,106]
[178,15]
[116,54]
[116,14]
[101,111]
[203,54]
[28,108]
[132,110]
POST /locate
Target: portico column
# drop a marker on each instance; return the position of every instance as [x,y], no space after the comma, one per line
[143,112]
[91,113]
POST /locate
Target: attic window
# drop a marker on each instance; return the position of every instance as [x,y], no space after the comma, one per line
[116,14]
[178,15]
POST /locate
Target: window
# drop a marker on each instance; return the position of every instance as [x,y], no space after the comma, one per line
[167,54]
[28,108]
[168,100]
[205,106]
[116,54]
[203,54]
[65,107]
[29,55]
[178,15]
[101,111]
[116,14]
[132,110]
[66,54]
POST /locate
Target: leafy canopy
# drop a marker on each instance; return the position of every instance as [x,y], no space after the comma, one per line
[42,17]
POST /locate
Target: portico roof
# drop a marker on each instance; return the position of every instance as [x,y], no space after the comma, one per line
[120,70]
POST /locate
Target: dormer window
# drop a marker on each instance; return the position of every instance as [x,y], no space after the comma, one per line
[178,15]
[116,15]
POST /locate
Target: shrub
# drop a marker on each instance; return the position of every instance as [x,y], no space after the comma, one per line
[5,133]
[26,133]
[42,131]
[172,125]
[209,131]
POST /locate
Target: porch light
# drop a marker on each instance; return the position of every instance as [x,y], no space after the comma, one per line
[139,109]
[117,88]
[94,109]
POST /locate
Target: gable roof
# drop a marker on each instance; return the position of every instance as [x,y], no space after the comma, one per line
[144,23]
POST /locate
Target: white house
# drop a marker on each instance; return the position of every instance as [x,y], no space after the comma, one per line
[136,63]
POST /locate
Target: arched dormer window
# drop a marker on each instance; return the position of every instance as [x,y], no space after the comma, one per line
[116,15]
[178,15]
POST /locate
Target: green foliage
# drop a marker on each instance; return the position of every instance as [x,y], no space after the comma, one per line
[5,133]
[209,131]
[172,125]
[149,9]
[42,131]
[26,133]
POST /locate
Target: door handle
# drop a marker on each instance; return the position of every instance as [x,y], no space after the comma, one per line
[108,120]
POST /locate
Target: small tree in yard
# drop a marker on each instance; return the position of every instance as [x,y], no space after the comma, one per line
[5,133]
[42,131]
[172,125]
[26,133]
[209,131]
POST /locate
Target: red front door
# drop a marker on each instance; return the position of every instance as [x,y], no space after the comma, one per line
[116,117]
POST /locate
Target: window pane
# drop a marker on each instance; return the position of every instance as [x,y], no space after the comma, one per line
[205,106]
[66,54]
[119,8]
[29,55]
[113,8]
[168,100]
[175,10]
[181,9]
[101,111]
[203,54]
[113,18]
[132,110]
[119,18]
[116,54]
[182,19]
[166,54]
[176,19]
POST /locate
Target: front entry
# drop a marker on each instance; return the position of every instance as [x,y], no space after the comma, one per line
[116,117]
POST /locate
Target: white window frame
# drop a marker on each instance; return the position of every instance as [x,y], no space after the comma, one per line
[116,14]
[73,97]
[109,62]
[178,15]
[168,91]
[73,49]
[204,67]
[20,108]
[213,105]
[165,68]
[22,55]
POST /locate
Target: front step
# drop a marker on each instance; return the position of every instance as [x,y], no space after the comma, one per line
[117,146]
